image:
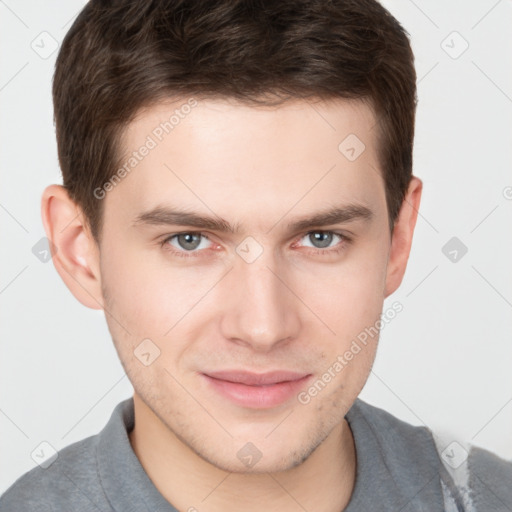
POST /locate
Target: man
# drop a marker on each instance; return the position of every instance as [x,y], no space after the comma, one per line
[238,198]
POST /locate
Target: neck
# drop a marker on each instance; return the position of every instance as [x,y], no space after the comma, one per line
[323,482]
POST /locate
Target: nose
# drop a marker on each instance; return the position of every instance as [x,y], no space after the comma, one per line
[260,309]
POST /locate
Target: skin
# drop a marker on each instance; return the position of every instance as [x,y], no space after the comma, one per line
[296,307]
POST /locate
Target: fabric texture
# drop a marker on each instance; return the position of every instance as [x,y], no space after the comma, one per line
[400,467]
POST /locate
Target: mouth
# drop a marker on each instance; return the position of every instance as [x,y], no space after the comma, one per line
[256,391]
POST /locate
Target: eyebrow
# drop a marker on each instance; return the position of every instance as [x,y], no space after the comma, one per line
[171,216]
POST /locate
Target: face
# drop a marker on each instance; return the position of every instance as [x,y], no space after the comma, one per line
[247,239]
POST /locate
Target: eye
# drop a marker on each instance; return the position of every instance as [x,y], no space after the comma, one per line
[188,242]
[323,239]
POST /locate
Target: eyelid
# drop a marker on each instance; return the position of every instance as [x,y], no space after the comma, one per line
[341,235]
[170,236]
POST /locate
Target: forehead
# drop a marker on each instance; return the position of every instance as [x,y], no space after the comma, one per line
[231,158]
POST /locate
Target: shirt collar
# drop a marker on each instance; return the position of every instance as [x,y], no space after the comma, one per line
[397,465]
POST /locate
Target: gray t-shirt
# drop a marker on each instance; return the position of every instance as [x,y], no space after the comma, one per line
[398,469]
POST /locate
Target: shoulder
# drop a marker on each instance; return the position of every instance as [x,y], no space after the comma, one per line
[472,479]
[70,482]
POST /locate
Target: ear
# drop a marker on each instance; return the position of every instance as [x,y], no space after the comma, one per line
[401,239]
[76,257]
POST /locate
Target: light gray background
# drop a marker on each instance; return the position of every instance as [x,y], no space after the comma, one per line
[444,361]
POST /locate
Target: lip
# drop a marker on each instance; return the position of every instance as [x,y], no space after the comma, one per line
[256,390]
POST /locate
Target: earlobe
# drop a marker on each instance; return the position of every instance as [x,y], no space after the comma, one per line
[401,239]
[76,258]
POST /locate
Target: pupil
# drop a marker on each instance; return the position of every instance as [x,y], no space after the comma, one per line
[189,240]
[321,239]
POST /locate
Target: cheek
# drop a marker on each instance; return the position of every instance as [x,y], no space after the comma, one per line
[150,294]
[347,296]
[349,301]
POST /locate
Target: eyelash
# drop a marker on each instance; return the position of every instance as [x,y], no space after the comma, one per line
[194,254]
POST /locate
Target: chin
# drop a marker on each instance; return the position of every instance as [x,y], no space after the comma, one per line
[246,458]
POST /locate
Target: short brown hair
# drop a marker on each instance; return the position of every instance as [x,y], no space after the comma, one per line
[120,56]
